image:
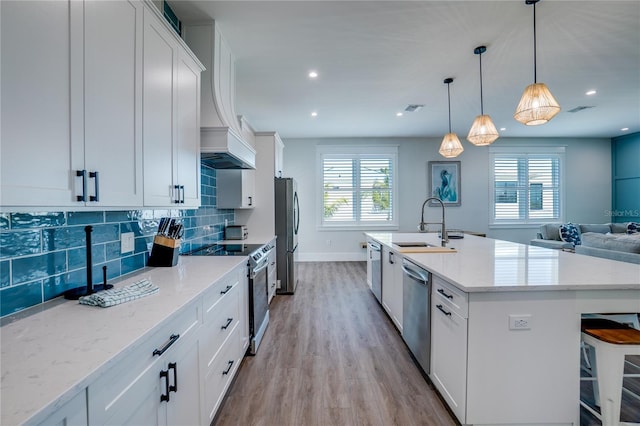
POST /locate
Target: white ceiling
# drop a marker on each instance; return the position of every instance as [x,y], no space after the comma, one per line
[376,57]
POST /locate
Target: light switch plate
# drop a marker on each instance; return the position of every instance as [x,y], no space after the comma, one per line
[127,244]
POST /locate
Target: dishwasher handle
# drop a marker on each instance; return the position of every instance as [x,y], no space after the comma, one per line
[417,275]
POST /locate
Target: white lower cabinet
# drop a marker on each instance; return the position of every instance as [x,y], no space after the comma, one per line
[155,384]
[272,280]
[225,338]
[392,285]
[448,349]
[73,413]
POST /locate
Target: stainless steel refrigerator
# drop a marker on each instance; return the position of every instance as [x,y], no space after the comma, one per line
[287,212]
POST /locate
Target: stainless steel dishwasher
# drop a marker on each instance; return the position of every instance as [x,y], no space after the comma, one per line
[375,256]
[416,312]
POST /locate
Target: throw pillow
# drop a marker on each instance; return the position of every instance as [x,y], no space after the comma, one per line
[633,228]
[569,233]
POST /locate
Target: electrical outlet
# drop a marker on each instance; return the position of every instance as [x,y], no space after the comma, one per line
[328,243]
[226,222]
[519,322]
[127,242]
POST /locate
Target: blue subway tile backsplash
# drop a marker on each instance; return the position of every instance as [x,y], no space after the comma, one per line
[43,254]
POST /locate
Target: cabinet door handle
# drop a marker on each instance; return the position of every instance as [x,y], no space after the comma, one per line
[173,366]
[176,194]
[448,296]
[182,194]
[225,372]
[229,287]
[94,175]
[229,321]
[250,201]
[165,374]
[172,339]
[391,261]
[443,311]
[82,197]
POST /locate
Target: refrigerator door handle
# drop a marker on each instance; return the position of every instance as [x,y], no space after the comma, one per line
[296,212]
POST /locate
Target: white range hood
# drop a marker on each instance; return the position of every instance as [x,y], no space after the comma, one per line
[225,139]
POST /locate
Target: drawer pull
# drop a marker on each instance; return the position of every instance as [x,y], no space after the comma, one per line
[443,311]
[229,321]
[448,296]
[229,287]
[167,345]
[165,374]
[225,372]
[173,366]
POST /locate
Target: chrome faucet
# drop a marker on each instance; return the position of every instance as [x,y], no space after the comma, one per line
[444,237]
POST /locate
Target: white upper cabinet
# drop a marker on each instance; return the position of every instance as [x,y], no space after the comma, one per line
[236,189]
[171,125]
[112,101]
[35,142]
[72,107]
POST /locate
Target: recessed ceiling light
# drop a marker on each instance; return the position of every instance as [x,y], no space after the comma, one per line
[624,129]
[502,129]
[591,92]
[399,114]
[313,74]
[314,114]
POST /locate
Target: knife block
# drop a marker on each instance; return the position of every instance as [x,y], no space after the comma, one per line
[164,251]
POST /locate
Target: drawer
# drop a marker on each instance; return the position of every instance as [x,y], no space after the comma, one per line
[219,290]
[450,296]
[109,393]
[221,371]
[219,321]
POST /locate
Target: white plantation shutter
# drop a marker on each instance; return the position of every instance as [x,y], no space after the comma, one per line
[526,185]
[358,186]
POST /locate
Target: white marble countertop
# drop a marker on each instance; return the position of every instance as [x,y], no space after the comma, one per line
[484,264]
[57,349]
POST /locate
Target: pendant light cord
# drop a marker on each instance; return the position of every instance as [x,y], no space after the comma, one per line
[535,65]
[449,100]
[481,100]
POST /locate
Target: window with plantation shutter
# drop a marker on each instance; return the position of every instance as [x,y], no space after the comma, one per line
[358,186]
[526,185]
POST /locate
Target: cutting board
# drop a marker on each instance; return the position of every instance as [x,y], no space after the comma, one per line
[425,249]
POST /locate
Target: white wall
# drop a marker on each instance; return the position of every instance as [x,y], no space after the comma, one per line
[587,178]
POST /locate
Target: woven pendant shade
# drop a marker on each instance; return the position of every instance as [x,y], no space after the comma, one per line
[483,131]
[450,146]
[537,105]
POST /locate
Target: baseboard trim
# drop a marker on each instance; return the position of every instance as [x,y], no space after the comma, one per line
[332,257]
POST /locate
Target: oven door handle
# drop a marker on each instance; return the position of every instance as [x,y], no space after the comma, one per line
[256,271]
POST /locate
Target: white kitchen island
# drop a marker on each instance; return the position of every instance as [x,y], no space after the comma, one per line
[490,373]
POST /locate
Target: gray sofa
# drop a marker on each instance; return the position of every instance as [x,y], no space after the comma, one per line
[607,240]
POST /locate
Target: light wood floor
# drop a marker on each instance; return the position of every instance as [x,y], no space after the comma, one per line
[331,356]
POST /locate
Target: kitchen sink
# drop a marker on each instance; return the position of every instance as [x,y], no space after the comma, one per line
[414,244]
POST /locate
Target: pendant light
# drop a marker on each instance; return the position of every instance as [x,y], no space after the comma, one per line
[450,146]
[537,105]
[483,131]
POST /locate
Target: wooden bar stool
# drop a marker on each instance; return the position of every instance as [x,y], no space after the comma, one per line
[611,342]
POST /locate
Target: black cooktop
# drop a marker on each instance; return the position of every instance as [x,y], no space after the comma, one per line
[226,249]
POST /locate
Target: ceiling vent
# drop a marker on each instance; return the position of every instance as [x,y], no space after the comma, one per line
[413,107]
[581,107]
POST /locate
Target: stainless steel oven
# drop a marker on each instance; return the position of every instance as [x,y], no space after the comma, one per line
[258,262]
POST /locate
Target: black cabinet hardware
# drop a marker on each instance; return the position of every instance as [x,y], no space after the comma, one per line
[182,194]
[167,345]
[94,175]
[165,374]
[250,201]
[225,372]
[448,296]
[173,366]
[82,197]
[443,311]
[391,261]
[229,287]
[229,321]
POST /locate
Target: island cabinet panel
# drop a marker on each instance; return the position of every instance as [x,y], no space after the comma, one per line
[141,387]
[512,373]
[392,285]
[449,346]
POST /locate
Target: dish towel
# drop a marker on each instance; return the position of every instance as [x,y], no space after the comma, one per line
[115,296]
